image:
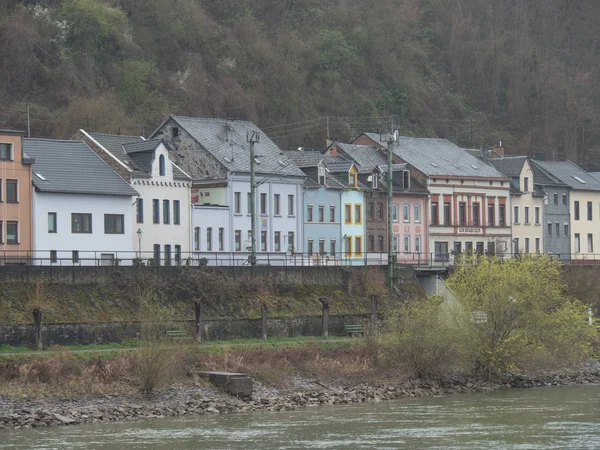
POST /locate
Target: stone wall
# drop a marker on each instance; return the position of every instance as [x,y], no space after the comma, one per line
[213,329]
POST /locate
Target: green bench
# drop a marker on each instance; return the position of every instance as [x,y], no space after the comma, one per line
[178,334]
[353,330]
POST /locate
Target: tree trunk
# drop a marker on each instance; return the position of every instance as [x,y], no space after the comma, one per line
[374,309]
[264,322]
[198,311]
[37,320]
[325,320]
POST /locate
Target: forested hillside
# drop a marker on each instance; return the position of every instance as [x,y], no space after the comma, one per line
[473,71]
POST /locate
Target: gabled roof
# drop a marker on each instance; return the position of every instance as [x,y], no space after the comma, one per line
[438,157]
[365,156]
[511,166]
[135,152]
[226,141]
[305,158]
[543,178]
[571,174]
[71,167]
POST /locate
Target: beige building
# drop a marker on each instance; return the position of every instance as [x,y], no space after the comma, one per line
[527,204]
[15,199]
[584,208]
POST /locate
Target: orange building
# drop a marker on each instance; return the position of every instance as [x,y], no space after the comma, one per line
[15,199]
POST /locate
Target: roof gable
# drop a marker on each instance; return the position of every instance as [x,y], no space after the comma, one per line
[226,140]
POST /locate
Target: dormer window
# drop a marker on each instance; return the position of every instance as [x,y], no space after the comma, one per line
[322,175]
[162,166]
[406,179]
[352,180]
[525,184]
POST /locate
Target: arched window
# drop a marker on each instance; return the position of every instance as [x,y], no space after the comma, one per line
[161,166]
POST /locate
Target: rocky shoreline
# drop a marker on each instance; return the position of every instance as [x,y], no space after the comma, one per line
[298,393]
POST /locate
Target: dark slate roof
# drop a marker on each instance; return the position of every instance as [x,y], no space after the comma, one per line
[342,180]
[395,168]
[543,178]
[340,166]
[231,149]
[135,152]
[438,157]
[305,158]
[365,156]
[571,174]
[141,146]
[312,179]
[510,166]
[596,175]
[71,167]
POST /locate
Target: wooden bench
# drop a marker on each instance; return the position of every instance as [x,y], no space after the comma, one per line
[353,330]
[178,334]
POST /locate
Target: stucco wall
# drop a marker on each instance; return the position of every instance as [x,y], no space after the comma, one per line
[327,231]
[557,213]
[89,245]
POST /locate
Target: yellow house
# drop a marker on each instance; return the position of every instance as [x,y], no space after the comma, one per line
[527,212]
[584,208]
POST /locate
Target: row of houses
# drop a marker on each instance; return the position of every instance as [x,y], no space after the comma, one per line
[182,196]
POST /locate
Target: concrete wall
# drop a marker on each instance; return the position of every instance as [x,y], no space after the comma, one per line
[213,329]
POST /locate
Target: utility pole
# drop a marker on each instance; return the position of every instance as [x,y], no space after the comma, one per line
[28,123]
[252,137]
[391,140]
[328,133]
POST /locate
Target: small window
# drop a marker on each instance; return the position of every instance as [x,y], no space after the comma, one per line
[155,211]
[12,190]
[407,244]
[6,152]
[380,211]
[418,244]
[577,243]
[81,223]
[52,222]
[395,213]
[238,240]
[309,213]
[221,239]
[332,250]
[589,210]
[516,214]
[537,215]
[277,204]
[576,208]
[371,243]
[380,243]
[322,247]
[564,199]
[348,213]
[277,241]
[167,255]
[321,213]
[166,212]
[417,213]
[139,210]
[526,184]
[406,215]
[526,214]
[566,229]
[197,238]
[175,131]
[176,212]
[291,205]
[555,198]
[263,203]
[310,248]
[291,241]
[75,256]
[332,213]
[237,202]
[12,232]
[549,229]
[263,241]
[557,229]
[358,214]
[53,256]
[209,239]
[162,170]
[248,203]
[114,224]
[357,246]
[434,214]
[476,214]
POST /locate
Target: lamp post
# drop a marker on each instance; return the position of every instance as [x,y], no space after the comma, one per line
[139,233]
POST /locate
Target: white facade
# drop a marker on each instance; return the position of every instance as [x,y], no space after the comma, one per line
[63,245]
[171,225]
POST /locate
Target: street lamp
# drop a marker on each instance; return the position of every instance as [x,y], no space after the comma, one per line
[139,232]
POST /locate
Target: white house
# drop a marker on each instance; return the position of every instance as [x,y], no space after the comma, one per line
[81,207]
[216,154]
[161,230]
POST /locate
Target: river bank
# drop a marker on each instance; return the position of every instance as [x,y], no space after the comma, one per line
[297,392]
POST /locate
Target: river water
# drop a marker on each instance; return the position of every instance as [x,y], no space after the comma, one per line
[543,418]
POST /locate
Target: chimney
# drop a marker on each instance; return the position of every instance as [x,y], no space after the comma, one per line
[499,149]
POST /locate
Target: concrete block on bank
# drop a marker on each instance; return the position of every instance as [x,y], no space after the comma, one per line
[234,383]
